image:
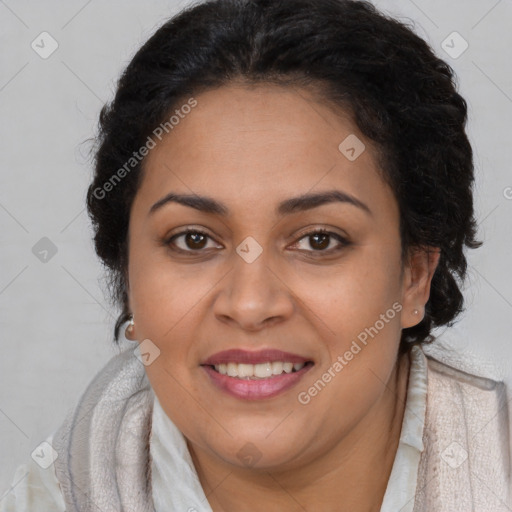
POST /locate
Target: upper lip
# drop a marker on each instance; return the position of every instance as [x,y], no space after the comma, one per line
[253,357]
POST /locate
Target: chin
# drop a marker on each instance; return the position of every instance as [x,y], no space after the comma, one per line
[258,450]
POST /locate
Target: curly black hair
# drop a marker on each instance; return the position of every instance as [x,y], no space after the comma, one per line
[399,93]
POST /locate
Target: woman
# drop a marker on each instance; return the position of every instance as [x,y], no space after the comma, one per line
[282,196]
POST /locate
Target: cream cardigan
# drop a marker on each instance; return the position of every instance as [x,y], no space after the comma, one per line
[118,450]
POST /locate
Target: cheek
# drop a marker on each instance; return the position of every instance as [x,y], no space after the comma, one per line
[357,313]
[181,400]
[166,306]
[345,299]
[164,296]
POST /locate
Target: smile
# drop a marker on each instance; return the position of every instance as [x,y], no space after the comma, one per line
[253,375]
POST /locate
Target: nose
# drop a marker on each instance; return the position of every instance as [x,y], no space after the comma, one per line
[253,296]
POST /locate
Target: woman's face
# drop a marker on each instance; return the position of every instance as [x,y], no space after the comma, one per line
[262,170]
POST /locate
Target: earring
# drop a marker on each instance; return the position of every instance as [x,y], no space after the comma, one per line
[415,312]
[130,328]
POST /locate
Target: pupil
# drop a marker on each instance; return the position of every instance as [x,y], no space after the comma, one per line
[323,244]
[197,240]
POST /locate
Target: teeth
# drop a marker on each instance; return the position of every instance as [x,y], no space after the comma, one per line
[257,371]
[245,370]
[232,369]
[277,368]
[262,370]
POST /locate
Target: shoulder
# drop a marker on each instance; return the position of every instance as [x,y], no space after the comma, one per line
[467,439]
[478,403]
[34,486]
[475,405]
[439,369]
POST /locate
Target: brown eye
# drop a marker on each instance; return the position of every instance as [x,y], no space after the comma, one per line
[189,241]
[320,241]
[195,240]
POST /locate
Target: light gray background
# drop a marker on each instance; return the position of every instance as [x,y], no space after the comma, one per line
[56,325]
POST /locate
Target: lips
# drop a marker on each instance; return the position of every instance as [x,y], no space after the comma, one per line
[233,372]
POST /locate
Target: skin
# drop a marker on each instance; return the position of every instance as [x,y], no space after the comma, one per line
[251,148]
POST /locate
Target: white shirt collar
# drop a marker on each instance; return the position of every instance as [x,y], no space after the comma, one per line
[402,483]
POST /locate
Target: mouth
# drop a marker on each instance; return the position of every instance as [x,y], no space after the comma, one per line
[255,375]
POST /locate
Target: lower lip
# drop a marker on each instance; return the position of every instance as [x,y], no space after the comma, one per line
[256,389]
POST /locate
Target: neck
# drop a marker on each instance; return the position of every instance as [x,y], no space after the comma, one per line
[352,475]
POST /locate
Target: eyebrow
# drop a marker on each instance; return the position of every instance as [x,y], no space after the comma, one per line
[293,205]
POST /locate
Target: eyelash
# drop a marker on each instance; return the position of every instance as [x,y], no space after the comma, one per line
[318,253]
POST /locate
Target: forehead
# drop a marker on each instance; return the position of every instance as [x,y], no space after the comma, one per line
[260,145]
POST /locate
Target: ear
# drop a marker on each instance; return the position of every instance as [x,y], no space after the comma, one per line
[417,277]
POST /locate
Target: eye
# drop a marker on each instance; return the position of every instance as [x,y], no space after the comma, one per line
[191,240]
[321,241]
